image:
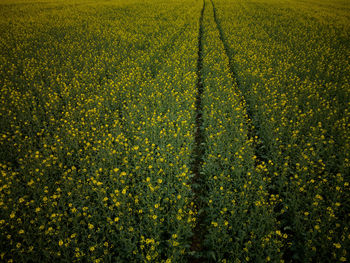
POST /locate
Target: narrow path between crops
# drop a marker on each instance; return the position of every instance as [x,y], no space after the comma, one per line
[259,149]
[198,152]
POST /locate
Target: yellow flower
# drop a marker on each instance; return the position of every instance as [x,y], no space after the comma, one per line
[337,245]
[30,182]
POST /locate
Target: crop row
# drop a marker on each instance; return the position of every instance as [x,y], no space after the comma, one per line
[291,61]
[97,117]
[240,221]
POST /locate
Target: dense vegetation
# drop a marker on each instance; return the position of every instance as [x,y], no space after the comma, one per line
[164,131]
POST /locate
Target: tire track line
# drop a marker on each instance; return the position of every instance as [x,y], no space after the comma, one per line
[198,153]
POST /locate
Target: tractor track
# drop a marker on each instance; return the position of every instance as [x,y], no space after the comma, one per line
[198,153]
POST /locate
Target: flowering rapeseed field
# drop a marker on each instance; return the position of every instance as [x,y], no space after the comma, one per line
[292,63]
[97,114]
[104,105]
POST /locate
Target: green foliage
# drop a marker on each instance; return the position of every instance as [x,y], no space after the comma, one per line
[95,160]
[291,61]
[98,116]
[240,218]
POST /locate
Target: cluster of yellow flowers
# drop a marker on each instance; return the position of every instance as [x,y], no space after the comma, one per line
[237,200]
[291,61]
[97,119]
[98,112]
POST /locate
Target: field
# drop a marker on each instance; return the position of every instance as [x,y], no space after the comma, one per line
[175,131]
